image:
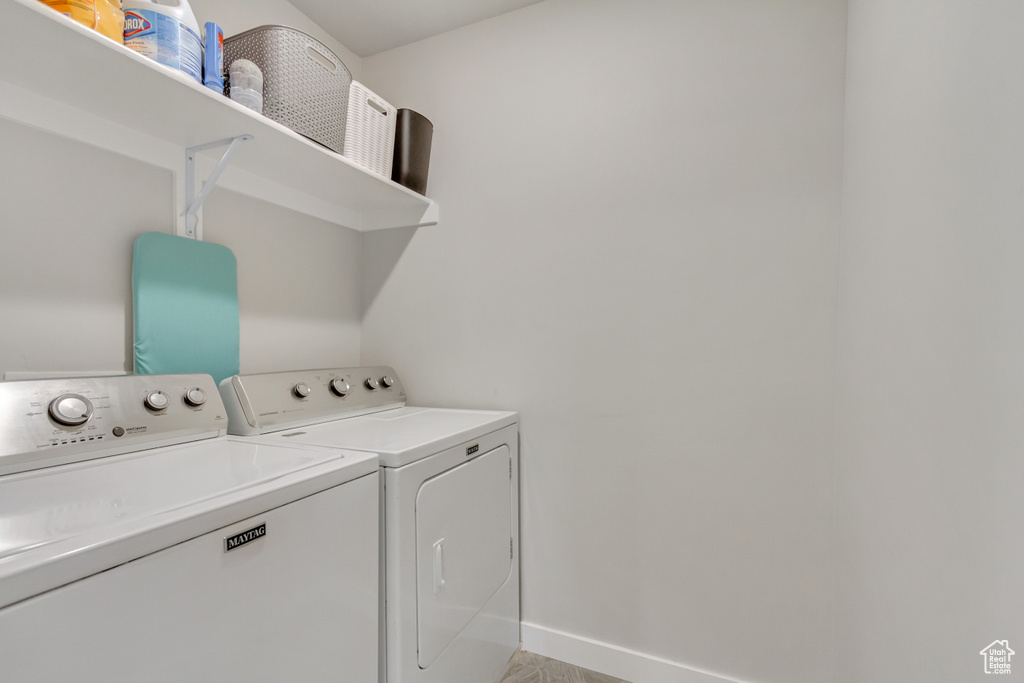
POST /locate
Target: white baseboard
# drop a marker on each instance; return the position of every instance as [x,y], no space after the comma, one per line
[612,660]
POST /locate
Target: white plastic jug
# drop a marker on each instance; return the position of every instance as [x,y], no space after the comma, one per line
[166,31]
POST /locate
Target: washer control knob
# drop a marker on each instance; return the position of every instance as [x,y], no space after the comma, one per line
[339,387]
[387,382]
[71,410]
[157,400]
[195,397]
[371,383]
[301,390]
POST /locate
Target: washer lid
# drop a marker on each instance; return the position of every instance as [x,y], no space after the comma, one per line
[402,435]
[63,523]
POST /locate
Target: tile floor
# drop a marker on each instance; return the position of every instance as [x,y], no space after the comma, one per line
[526,667]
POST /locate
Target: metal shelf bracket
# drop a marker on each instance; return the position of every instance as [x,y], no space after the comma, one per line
[192,200]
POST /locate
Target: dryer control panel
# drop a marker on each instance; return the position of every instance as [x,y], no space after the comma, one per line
[258,404]
[59,421]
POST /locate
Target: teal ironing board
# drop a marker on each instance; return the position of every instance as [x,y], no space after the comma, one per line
[185,305]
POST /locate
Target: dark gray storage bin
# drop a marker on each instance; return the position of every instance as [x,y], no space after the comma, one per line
[413,132]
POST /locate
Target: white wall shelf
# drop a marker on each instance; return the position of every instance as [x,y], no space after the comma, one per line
[62,77]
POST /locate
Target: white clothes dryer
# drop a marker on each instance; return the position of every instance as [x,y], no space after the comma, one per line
[449,510]
[138,542]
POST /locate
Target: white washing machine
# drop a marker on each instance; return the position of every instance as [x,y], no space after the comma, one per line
[450,510]
[138,542]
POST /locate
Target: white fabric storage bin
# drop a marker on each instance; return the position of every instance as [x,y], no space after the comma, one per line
[370,130]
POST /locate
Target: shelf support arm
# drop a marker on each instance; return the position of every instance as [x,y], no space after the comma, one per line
[192,200]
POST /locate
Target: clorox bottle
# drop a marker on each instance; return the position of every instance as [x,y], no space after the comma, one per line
[166,31]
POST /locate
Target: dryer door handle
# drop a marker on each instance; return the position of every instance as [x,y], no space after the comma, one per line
[438,566]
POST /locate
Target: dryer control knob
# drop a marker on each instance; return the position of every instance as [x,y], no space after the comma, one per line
[301,390]
[387,382]
[339,387]
[195,397]
[71,410]
[157,400]
[371,383]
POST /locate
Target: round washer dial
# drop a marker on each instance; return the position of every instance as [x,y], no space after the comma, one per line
[301,390]
[157,400]
[339,387]
[71,410]
[195,397]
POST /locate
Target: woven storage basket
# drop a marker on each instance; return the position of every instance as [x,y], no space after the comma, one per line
[305,85]
[370,130]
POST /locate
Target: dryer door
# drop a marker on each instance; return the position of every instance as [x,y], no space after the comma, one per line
[463,547]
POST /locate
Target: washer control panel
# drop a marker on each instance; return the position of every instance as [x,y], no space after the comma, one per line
[258,404]
[57,421]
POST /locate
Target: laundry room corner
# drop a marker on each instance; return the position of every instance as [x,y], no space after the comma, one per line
[694,358]
[638,254]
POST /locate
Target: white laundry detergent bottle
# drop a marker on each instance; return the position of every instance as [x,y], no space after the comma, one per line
[166,31]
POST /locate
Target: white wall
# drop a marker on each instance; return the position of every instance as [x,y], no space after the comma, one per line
[638,251]
[298,284]
[72,212]
[930,474]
